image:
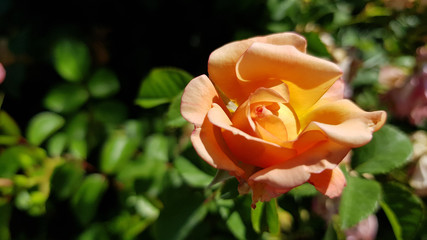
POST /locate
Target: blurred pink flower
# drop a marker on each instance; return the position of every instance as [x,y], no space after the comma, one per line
[364,230]
[2,73]
[410,100]
[392,77]
[327,208]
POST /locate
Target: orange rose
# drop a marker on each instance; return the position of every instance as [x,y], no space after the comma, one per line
[274,117]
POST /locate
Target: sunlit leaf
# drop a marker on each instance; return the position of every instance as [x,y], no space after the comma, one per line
[71,59]
[86,200]
[359,200]
[272,217]
[382,155]
[42,125]
[161,86]
[103,83]
[236,225]
[403,209]
[256,216]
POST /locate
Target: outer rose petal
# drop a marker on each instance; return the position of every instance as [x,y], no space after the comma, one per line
[222,62]
[208,143]
[198,97]
[330,182]
[307,77]
[275,180]
[345,123]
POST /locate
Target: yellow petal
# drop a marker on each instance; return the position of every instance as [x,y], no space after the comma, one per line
[246,148]
[345,123]
[307,77]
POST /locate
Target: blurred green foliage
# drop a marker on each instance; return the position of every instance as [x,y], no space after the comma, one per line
[93,146]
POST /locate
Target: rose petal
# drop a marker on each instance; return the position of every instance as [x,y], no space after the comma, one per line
[307,77]
[242,117]
[246,148]
[278,179]
[222,62]
[209,144]
[345,123]
[330,182]
[197,99]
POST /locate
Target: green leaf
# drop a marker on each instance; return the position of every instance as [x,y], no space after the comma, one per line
[161,86]
[220,176]
[71,59]
[86,200]
[173,116]
[272,217]
[77,129]
[236,225]
[103,83]
[42,125]
[6,210]
[183,211]
[8,126]
[66,179]
[359,200]
[403,209]
[110,112]
[191,174]
[66,98]
[256,216]
[57,144]
[304,190]
[117,150]
[157,147]
[230,189]
[382,155]
[94,232]
[315,45]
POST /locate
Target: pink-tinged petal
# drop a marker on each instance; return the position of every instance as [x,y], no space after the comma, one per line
[271,184]
[345,123]
[222,62]
[2,73]
[307,77]
[335,92]
[248,149]
[209,144]
[197,99]
[330,182]
[278,179]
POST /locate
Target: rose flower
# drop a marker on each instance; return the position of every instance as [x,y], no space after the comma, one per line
[274,117]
